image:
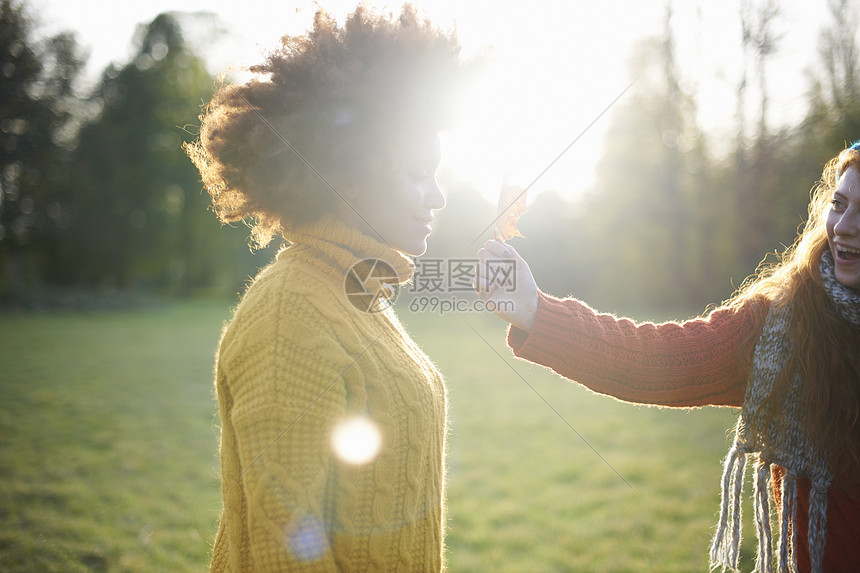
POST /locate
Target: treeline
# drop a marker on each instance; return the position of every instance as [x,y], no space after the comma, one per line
[97,195]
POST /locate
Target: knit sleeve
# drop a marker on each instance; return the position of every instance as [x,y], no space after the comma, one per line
[285,382]
[698,362]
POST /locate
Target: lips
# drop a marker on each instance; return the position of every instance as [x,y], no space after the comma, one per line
[425,222]
[847,254]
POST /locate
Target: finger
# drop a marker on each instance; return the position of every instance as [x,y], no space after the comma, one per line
[482,294]
[480,289]
[484,255]
[483,287]
[499,249]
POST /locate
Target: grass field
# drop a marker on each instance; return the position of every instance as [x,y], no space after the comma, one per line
[108,456]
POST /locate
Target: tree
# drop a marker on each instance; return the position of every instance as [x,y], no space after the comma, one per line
[755,177]
[759,42]
[838,53]
[37,107]
[141,217]
[645,211]
[834,110]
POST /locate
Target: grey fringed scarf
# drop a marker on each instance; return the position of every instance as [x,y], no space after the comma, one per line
[794,451]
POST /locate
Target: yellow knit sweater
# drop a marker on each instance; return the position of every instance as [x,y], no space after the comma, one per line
[297,359]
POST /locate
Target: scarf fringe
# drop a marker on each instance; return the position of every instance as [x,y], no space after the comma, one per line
[725,550]
[761,488]
[788,533]
[817,526]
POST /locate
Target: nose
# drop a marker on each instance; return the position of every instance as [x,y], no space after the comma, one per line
[848,224]
[434,199]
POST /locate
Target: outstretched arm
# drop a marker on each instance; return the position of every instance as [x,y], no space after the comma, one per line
[693,363]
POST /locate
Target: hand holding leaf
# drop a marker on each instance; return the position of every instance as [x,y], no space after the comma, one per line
[504,281]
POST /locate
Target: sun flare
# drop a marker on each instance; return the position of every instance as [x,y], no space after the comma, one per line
[356,440]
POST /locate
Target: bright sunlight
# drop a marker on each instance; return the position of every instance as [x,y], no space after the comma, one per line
[356,440]
[555,66]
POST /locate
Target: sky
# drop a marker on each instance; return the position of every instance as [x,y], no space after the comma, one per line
[556,66]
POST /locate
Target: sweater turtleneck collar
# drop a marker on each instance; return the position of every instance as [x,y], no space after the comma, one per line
[338,247]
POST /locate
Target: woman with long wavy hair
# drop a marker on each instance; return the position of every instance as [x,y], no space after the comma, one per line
[785,349]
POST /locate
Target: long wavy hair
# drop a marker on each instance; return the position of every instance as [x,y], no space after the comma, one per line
[824,348]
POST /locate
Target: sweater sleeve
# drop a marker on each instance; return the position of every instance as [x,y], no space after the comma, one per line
[287,393]
[698,362]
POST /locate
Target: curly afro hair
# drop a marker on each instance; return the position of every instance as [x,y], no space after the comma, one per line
[339,96]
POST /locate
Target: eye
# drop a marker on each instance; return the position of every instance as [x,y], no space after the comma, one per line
[420,172]
[417,173]
[837,205]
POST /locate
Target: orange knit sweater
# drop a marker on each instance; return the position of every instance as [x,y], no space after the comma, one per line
[695,363]
[296,360]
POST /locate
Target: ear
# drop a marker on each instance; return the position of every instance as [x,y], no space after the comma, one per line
[345,202]
[344,187]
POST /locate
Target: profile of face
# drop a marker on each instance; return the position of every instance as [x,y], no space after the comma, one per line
[398,207]
[843,229]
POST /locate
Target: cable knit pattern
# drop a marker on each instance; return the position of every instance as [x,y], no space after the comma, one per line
[296,359]
[694,363]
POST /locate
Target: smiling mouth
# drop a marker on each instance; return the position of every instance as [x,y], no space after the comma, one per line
[847,253]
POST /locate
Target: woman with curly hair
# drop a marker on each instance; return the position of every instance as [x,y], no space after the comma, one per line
[785,349]
[333,422]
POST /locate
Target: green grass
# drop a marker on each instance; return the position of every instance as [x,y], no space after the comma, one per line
[527,493]
[108,454]
[107,440]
